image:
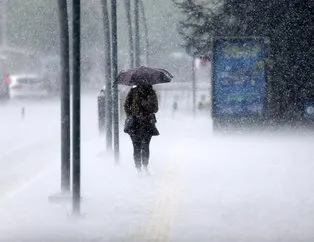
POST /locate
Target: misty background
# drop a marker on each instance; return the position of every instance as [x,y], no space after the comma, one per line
[33,26]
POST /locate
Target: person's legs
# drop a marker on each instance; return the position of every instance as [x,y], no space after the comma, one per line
[145,150]
[136,141]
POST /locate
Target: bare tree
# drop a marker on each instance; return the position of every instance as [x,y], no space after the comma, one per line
[145,31]
[127,4]
[108,93]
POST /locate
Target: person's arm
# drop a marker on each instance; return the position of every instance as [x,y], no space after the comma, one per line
[154,102]
[151,105]
[128,103]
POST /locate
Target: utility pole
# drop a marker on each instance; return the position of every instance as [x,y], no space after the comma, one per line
[76,85]
[115,93]
[137,34]
[108,76]
[193,85]
[65,97]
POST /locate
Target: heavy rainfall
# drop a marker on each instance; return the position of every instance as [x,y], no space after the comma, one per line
[145,120]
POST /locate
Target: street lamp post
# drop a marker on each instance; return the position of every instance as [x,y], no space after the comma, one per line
[193,85]
[191,51]
[115,93]
[76,85]
[65,97]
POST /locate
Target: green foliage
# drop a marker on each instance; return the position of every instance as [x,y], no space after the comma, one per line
[199,25]
[288,25]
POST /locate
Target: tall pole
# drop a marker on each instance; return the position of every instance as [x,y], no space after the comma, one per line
[145,31]
[108,90]
[137,34]
[4,22]
[76,176]
[65,97]
[127,4]
[193,85]
[115,93]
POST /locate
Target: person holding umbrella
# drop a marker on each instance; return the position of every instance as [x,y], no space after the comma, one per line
[140,106]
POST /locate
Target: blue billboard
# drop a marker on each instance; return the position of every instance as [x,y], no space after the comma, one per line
[239,76]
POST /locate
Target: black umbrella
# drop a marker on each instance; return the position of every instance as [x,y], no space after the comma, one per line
[144,76]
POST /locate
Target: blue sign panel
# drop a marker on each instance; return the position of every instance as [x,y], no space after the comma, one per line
[239,77]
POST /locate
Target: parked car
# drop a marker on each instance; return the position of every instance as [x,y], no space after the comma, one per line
[27,86]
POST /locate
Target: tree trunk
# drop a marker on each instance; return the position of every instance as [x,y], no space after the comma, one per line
[137,44]
[127,4]
[108,92]
[145,31]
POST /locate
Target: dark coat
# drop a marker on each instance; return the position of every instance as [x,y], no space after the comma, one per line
[140,107]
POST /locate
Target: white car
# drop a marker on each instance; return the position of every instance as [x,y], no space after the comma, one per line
[27,86]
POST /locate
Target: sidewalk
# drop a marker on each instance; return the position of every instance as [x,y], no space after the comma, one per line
[117,205]
[201,188]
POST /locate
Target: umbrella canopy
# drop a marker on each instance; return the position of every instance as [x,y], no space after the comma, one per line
[144,76]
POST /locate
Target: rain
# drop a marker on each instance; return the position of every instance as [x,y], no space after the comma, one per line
[228,139]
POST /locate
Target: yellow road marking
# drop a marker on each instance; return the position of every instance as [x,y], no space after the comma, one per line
[161,222]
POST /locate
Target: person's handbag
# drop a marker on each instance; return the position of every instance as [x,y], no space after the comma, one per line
[155,131]
[129,124]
